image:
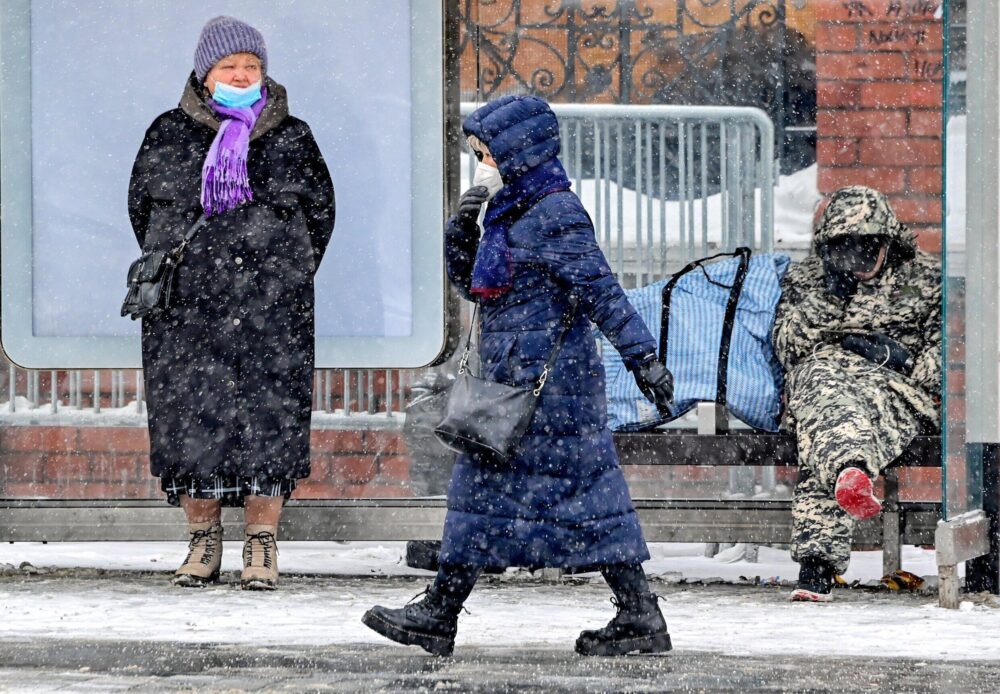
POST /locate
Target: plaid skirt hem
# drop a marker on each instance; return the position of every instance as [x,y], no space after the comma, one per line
[229,490]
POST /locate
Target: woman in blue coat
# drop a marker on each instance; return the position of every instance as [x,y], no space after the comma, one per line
[563,501]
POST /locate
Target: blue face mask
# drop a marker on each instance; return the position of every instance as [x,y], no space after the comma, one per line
[236,97]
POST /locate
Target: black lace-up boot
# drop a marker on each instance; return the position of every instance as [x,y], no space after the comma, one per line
[432,621]
[639,624]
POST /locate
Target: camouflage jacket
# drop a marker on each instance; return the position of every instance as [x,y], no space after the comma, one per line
[902,302]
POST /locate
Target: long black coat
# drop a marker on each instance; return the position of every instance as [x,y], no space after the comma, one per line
[228,369]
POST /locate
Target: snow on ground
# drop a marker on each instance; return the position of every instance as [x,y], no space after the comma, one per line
[671,560]
[734,620]
[25,414]
[515,610]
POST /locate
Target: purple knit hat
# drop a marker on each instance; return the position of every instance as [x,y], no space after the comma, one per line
[224,36]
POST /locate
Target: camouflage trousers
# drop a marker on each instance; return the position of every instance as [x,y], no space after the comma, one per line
[842,414]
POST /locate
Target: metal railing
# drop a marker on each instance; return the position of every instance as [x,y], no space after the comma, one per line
[339,392]
[664,184]
[357,391]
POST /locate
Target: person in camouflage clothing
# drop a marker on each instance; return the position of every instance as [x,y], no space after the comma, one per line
[858,331]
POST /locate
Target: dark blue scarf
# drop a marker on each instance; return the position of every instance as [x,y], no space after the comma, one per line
[492,273]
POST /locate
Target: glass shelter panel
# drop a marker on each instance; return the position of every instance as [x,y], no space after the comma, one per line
[853,93]
[972,394]
[688,128]
[962,483]
[379,297]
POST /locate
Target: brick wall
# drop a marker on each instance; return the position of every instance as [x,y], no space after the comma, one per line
[879,94]
[879,70]
[102,462]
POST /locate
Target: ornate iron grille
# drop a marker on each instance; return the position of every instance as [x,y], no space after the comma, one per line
[625,51]
[720,52]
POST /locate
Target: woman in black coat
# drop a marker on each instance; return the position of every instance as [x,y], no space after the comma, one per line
[228,367]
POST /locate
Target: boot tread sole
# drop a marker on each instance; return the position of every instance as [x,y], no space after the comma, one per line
[192,581]
[435,645]
[653,643]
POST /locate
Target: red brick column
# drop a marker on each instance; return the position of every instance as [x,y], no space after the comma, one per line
[879,70]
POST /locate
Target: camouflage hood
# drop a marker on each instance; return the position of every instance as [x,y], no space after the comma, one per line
[863,211]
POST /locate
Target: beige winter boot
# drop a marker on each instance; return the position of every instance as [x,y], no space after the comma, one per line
[260,558]
[204,556]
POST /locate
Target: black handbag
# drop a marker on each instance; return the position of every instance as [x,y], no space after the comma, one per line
[151,278]
[488,418]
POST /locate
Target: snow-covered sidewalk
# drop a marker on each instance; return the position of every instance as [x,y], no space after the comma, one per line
[314,609]
[671,561]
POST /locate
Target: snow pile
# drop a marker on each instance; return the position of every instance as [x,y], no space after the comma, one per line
[132,415]
[795,200]
[24,414]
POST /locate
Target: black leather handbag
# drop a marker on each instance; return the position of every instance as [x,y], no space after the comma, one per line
[151,277]
[489,418]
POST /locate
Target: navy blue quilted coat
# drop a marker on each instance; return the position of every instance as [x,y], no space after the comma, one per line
[563,502]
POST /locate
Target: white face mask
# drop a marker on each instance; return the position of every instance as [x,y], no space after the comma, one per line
[488,176]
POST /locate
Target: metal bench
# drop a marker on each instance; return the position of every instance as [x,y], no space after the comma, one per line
[766,521]
[761,521]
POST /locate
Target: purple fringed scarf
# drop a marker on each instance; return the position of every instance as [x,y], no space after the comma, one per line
[225,183]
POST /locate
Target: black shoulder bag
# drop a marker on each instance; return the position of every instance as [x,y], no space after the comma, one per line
[489,418]
[151,277]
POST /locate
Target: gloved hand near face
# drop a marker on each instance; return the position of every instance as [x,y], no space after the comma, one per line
[842,285]
[849,260]
[469,205]
[880,349]
[655,382]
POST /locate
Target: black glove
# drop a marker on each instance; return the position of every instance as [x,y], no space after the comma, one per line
[468,206]
[655,382]
[881,349]
[842,285]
